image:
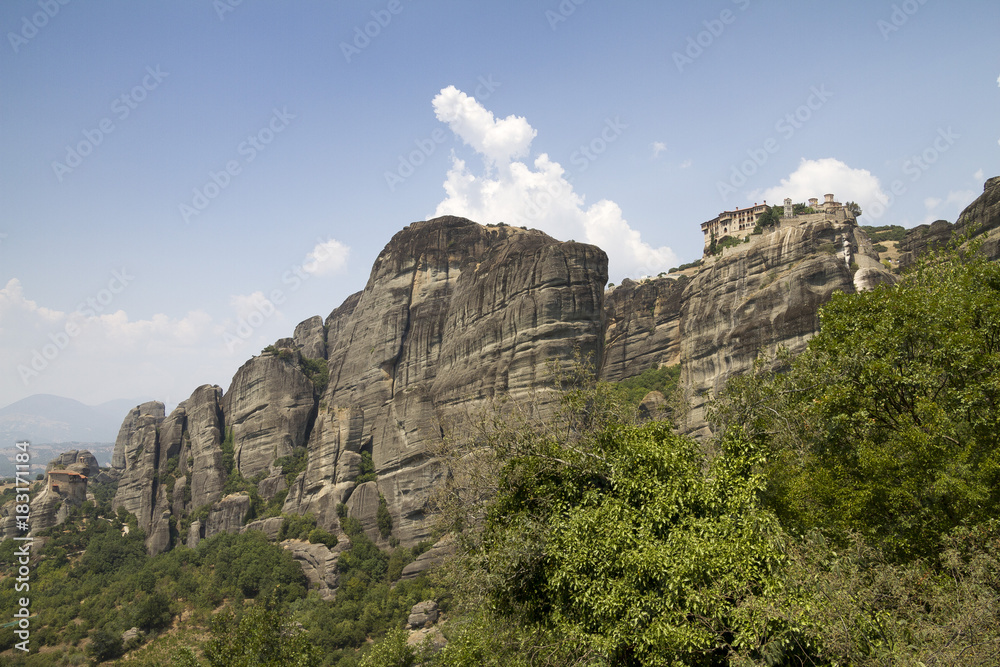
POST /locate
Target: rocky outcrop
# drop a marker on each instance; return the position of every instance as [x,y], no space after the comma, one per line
[753,297]
[134,432]
[172,465]
[318,563]
[422,615]
[453,313]
[228,515]
[766,294]
[81,461]
[269,407]
[437,554]
[270,527]
[310,338]
[643,326]
[981,218]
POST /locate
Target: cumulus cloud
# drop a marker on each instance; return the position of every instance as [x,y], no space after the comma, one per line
[327,258]
[499,141]
[978,176]
[658,147]
[686,164]
[533,194]
[815,178]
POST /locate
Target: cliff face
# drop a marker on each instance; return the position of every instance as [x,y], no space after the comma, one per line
[981,218]
[452,314]
[765,294]
[172,465]
[754,297]
[643,326]
[270,408]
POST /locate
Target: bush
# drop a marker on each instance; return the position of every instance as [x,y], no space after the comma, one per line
[383,518]
[367,471]
[104,645]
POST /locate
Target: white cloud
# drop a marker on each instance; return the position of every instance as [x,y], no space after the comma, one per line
[686,164]
[658,147]
[998,80]
[327,258]
[978,176]
[538,194]
[497,140]
[815,178]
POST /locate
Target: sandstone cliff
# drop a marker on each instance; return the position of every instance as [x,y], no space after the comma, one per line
[752,297]
[455,313]
[171,465]
[452,314]
[981,218]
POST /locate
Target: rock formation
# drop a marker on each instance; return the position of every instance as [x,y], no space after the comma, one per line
[752,297]
[453,314]
[981,218]
[171,465]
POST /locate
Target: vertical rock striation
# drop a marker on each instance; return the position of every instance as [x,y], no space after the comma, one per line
[453,314]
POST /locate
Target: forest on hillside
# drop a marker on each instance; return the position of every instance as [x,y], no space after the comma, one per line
[845,513]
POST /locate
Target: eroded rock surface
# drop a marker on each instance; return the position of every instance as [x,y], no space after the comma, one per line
[453,314]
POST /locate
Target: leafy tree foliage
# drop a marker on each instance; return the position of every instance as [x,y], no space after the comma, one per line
[888,424]
[367,468]
[259,637]
[606,541]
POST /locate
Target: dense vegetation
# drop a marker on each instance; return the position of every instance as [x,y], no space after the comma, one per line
[94,582]
[884,232]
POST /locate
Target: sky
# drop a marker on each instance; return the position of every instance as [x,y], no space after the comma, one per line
[182,182]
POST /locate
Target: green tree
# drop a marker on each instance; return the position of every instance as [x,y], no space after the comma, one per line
[260,637]
[611,541]
[392,651]
[889,423]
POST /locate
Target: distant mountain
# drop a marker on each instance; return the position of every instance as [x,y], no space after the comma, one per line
[44,418]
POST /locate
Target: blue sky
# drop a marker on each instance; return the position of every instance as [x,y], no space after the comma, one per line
[183,182]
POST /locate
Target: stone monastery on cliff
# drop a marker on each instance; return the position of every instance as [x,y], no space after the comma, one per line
[741,221]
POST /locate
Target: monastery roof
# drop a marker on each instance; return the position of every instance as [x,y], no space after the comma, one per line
[70,473]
